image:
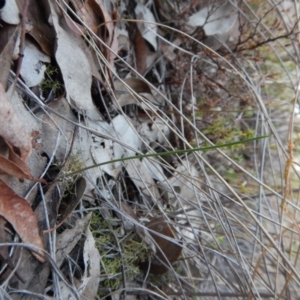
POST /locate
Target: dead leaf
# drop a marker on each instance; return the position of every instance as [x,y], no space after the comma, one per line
[32,270]
[37,162]
[90,13]
[219,22]
[142,178]
[168,49]
[215,19]
[140,230]
[123,38]
[167,251]
[82,147]
[71,203]
[67,240]
[10,12]
[113,48]
[107,20]
[9,36]
[12,130]
[19,214]
[74,26]
[109,36]
[94,16]
[126,133]
[41,31]
[10,168]
[104,150]
[49,131]
[185,177]
[15,166]
[74,65]
[3,250]
[136,84]
[90,281]
[148,29]
[125,96]
[33,67]
[141,52]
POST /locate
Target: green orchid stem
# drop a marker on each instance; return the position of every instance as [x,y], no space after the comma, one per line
[169,153]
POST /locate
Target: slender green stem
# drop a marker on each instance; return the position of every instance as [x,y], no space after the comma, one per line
[168,153]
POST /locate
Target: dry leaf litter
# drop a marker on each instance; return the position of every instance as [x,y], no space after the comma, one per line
[111,183]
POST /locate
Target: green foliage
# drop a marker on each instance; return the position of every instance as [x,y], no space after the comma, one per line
[231,175]
[248,111]
[225,131]
[49,83]
[127,253]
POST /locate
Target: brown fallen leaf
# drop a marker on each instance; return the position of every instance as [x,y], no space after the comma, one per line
[12,129]
[138,85]
[167,251]
[35,273]
[19,214]
[141,52]
[10,168]
[41,31]
[15,166]
[128,225]
[8,39]
[94,15]
[109,35]
[90,13]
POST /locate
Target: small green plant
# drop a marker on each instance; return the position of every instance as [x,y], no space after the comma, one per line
[50,83]
[224,131]
[126,254]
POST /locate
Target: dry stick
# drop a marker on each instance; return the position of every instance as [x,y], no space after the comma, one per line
[287,180]
[296,259]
